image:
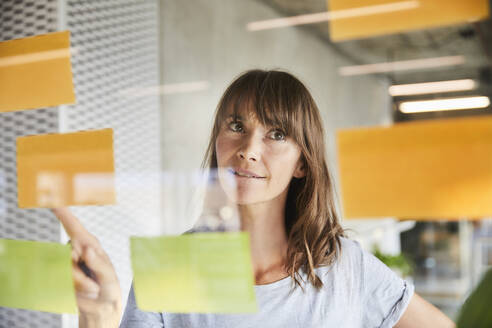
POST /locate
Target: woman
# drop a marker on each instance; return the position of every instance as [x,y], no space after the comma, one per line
[268,134]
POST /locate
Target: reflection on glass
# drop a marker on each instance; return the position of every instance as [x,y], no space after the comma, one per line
[199,199]
[332,15]
[93,188]
[166,89]
[51,189]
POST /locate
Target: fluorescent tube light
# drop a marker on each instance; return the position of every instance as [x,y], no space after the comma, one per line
[431,87]
[403,65]
[166,89]
[444,104]
[330,15]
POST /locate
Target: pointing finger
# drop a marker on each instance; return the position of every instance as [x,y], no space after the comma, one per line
[71,224]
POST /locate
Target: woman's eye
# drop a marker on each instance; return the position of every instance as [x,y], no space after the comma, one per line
[236,126]
[277,135]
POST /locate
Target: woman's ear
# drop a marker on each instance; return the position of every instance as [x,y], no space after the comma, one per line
[300,171]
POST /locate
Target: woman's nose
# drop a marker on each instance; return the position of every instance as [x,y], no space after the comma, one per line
[250,149]
[250,156]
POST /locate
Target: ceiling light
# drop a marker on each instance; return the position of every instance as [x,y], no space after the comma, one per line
[331,15]
[431,87]
[166,89]
[403,65]
[444,104]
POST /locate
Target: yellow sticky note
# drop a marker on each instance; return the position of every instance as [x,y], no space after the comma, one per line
[36,276]
[418,170]
[355,19]
[55,170]
[36,72]
[202,272]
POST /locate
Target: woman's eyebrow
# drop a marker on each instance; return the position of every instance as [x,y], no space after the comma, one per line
[235,117]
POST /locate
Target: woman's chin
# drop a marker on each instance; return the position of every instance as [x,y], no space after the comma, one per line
[247,199]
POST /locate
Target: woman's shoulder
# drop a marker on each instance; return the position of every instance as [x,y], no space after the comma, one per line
[353,262]
[349,256]
[350,248]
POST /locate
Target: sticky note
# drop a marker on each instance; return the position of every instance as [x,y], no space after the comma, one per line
[418,170]
[356,19]
[36,276]
[202,272]
[55,170]
[36,72]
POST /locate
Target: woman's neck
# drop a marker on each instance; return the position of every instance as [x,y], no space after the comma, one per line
[265,223]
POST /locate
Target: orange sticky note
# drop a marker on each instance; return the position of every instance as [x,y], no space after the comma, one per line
[55,170]
[418,170]
[356,19]
[36,72]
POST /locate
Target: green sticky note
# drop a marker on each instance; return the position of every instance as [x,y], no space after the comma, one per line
[201,273]
[36,276]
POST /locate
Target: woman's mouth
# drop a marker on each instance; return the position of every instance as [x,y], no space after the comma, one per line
[245,174]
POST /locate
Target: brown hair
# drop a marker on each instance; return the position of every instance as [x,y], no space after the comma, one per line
[279,99]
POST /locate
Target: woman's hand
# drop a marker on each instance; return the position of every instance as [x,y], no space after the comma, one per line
[96,284]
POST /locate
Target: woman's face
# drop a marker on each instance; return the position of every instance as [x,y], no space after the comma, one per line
[262,160]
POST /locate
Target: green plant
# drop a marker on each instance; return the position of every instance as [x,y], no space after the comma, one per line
[475,312]
[399,262]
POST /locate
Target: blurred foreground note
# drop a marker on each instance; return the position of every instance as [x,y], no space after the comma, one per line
[475,312]
[355,19]
[36,72]
[421,170]
[36,276]
[55,170]
[202,272]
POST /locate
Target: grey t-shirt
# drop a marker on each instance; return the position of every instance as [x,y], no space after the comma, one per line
[358,291]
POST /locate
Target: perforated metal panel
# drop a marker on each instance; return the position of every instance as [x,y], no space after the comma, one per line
[23,18]
[116,48]
[20,19]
